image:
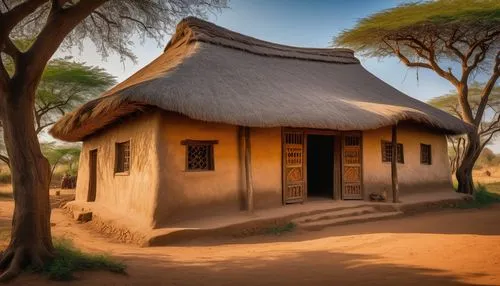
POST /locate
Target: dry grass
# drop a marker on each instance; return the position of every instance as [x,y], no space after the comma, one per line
[480,175]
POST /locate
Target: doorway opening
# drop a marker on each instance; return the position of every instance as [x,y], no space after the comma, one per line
[92,176]
[320,161]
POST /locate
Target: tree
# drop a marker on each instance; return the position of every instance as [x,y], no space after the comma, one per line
[109,24]
[488,127]
[64,85]
[457,39]
[60,154]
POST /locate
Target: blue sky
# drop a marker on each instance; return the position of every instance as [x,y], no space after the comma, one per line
[311,23]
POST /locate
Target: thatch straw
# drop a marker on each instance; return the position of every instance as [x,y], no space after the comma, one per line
[212,74]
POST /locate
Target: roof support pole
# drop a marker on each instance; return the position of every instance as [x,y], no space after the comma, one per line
[394,164]
[248,170]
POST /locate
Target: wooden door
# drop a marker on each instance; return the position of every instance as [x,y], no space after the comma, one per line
[352,185]
[92,176]
[294,187]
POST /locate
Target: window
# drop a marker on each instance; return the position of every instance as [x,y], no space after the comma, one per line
[425,154]
[122,157]
[387,152]
[199,155]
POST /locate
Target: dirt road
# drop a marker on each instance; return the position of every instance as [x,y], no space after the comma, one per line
[452,247]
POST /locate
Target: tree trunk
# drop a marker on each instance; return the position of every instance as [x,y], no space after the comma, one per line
[31,241]
[464,171]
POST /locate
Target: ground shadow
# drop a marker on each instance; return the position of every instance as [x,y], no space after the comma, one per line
[275,268]
[448,221]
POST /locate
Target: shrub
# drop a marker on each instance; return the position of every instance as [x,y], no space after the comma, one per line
[69,259]
[4,178]
[482,198]
[277,230]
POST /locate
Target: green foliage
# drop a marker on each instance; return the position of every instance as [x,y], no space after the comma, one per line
[68,155]
[66,84]
[483,197]
[427,17]
[449,102]
[4,178]
[280,229]
[69,260]
[59,154]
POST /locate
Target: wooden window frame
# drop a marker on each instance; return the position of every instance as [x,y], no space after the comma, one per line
[422,159]
[400,152]
[122,170]
[210,156]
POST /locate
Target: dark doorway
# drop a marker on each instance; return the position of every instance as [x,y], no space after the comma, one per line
[320,166]
[92,176]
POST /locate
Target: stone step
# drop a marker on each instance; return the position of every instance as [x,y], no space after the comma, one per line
[320,224]
[335,214]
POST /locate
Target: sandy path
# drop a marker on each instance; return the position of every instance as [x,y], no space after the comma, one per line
[453,247]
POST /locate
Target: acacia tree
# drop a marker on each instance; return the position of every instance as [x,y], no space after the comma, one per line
[64,85]
[60,154]
[487,129]
[457,39]
[51,24]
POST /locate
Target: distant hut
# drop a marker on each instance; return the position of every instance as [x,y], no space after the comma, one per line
[222,122]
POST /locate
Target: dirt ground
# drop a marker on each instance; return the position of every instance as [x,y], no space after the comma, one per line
[450,247]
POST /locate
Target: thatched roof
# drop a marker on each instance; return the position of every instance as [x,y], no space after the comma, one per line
[212,74]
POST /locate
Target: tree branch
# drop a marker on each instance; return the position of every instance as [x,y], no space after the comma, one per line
[58,4]
[485,94]
[404,59]
[140,23]
[488,139]
[11,18]
[59,24]
[105,19]
[5,5]
[11,49]
[5,159]
[467,69]
[431,57]
[492,125]
[4,78]
[454,108]
[40,128]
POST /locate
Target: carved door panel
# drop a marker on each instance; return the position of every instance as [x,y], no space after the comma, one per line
[352,186]
[293,167]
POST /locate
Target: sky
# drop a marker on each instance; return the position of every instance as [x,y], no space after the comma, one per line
[312,23]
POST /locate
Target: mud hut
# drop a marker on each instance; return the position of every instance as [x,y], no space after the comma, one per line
[222,122]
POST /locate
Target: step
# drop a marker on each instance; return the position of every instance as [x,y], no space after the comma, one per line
[335,214]
[320,224]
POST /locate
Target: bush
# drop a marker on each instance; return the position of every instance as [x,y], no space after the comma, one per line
[69,260]
[482,198]
[4,178]
[277,230]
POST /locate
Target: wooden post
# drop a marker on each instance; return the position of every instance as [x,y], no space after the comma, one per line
[394,165]
[248,170]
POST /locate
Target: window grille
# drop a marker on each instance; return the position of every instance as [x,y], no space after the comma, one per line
[425,154]
[199,155]
[122,157]
[387,152]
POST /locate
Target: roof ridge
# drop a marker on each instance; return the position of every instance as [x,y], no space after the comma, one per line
[195,29]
